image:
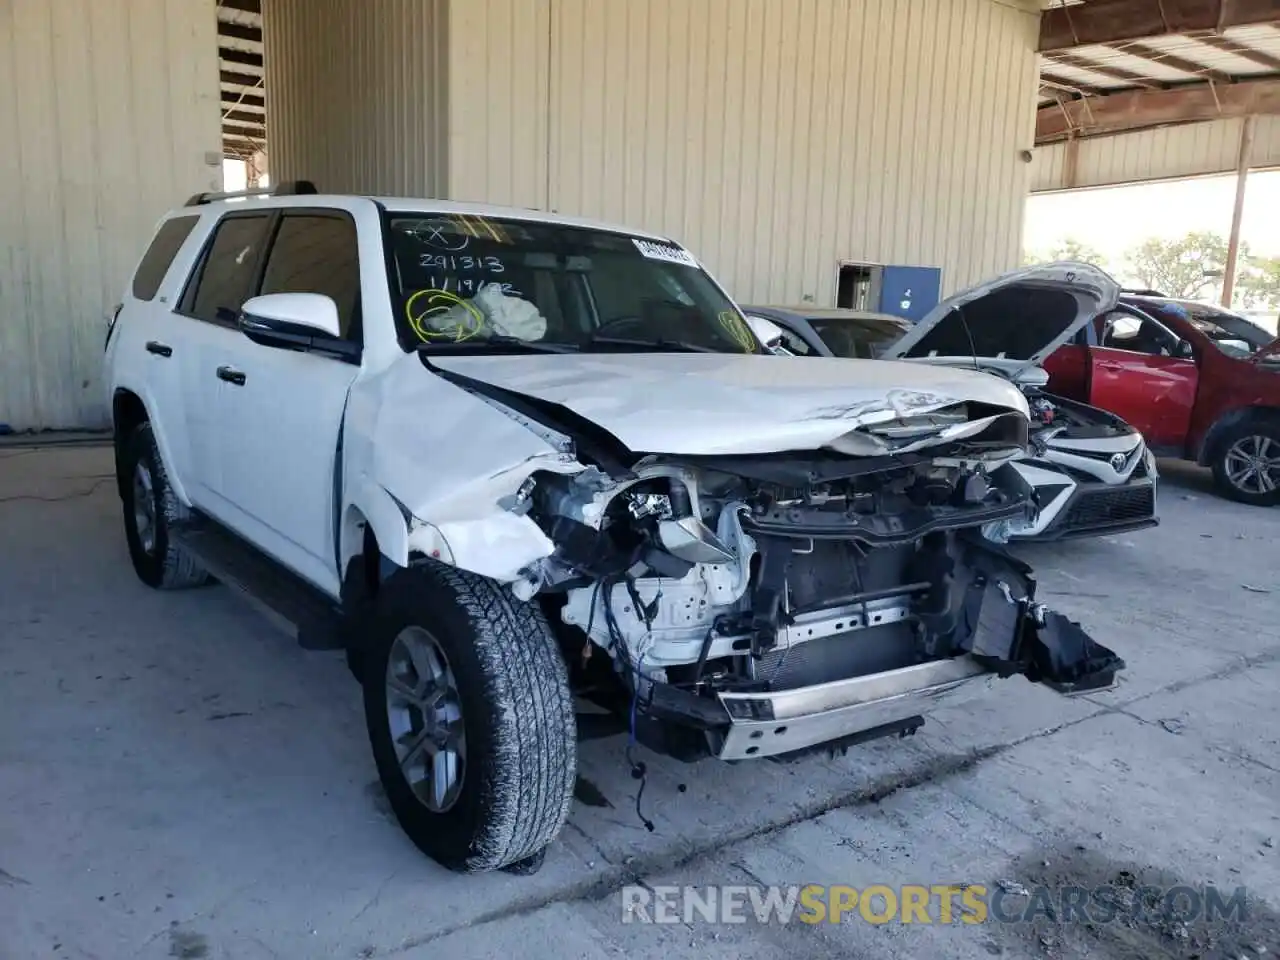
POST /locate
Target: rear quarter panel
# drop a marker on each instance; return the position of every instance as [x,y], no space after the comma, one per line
[1229,389]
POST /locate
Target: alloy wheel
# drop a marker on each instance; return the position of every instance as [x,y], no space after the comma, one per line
[1253,464]
[144,507]
[424,711]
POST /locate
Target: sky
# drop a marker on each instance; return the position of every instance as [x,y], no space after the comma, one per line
[1114,219]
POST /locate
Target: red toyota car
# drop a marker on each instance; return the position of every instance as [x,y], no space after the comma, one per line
[1200,382]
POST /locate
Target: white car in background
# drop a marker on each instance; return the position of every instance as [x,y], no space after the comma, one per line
[1092,472]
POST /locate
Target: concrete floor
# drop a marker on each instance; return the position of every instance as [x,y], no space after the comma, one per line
[178,780]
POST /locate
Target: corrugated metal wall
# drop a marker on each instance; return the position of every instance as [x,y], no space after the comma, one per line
[356,94]
[498,100]
[107,111]
[1189,150]
[775,139]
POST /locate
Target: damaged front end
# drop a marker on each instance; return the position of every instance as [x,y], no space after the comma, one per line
[755,605]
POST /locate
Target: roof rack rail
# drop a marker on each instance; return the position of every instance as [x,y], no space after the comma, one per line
[286,188]
[1139,292]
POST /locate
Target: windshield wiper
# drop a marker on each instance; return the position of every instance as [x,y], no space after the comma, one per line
[506,345]
[657,343]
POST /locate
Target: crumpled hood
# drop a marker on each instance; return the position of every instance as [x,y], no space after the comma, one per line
[723,404]
[1023,315]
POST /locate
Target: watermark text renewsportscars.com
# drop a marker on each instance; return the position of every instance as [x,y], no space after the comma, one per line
[926,904]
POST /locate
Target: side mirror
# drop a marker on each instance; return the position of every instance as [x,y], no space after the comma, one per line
[768,333]
[296,321]
[1185,350]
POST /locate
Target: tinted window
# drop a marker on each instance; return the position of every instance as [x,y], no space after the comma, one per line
[1228,332]
[227,275]
[155,262]
[468,278]
[316,254]
[857,338]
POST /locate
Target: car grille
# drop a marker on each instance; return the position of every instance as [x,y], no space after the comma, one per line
[1111,507]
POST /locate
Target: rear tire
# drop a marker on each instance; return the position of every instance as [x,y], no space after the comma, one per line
[1246,467]
[151,512]
[486,698]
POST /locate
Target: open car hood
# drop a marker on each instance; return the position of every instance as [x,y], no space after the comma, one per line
[1021,316]
[722,404]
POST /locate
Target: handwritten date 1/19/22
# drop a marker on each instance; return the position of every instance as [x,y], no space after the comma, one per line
[469,286]
[446,261]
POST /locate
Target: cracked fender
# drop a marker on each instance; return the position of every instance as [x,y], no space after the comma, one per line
[450,508]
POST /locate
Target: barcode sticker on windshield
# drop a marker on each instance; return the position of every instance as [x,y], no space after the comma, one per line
[664,251]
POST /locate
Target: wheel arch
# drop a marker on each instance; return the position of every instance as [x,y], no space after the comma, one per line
[128,412]
[1213,437]
[372,513]
[130,408]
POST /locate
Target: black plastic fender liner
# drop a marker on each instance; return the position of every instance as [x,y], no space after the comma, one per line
[1065,657]
[982,602]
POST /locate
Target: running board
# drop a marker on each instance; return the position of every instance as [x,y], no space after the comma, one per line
[289,602]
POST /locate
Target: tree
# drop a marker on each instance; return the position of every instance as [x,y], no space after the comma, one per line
[1180,268]
[1259,283]
[1068,249]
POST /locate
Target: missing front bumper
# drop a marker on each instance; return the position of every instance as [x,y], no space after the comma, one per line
[981,600]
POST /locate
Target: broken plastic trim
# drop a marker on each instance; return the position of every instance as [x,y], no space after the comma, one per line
[982,600]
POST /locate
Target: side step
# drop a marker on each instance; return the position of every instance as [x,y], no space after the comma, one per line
[288,601]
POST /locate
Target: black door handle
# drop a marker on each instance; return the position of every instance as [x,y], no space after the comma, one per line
[231,376]
[158,348]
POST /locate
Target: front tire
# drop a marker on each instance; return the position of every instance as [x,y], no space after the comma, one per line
[470,718]
[151,511]
[1247,465]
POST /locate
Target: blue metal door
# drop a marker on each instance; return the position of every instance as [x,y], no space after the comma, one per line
[909,292]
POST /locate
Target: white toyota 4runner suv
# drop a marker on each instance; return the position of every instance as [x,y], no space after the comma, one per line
[506,459]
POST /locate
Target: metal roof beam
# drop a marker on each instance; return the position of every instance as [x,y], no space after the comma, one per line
[237,31]
[1108,21]
[230,98]
[1102,69]
[240,79]
[1134,109]
[244,116]
[1227,45]
[1144,52]
[244,57]
[1070,86]
[245,133]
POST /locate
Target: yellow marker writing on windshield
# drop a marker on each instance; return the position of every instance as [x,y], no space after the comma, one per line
[442,301]
[738,330]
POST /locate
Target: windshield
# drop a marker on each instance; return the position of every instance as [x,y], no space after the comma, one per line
[857,338]
[505,285]
[1228,332]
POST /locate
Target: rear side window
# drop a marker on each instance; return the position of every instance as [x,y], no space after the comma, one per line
[316,253]
[226,277]
[155,262]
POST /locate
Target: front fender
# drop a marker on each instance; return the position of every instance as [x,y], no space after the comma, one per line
[446,460]
[372,505]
